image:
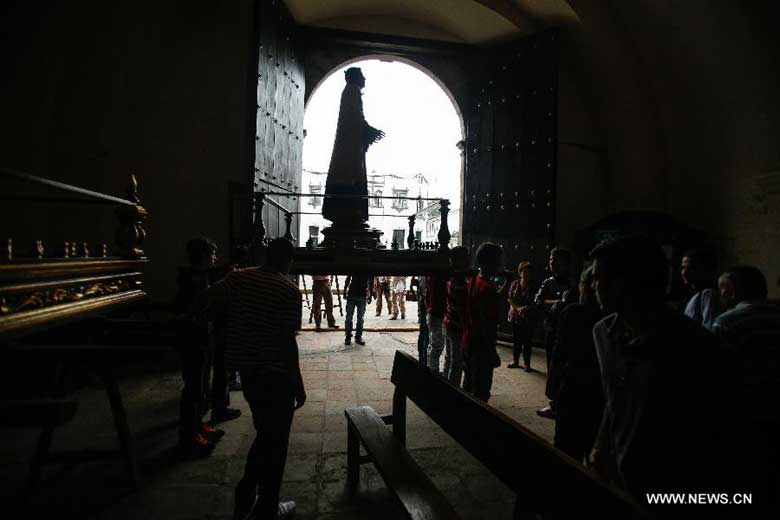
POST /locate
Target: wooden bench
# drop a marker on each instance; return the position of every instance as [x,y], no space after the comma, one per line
[413,489]
[545,479]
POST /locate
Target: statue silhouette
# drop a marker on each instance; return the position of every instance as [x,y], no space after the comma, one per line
[347,170]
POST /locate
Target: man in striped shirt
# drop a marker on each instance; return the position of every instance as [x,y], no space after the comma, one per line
[263,312]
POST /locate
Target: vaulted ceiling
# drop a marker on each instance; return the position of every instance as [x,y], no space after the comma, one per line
[466,21]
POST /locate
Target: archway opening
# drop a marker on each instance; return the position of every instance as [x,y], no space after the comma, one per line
[419,157]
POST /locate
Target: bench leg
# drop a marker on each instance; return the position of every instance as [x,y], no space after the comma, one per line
[39,458]
[399,416]
[353,459]
[122,428]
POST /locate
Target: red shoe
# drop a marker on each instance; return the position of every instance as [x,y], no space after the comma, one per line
[198,447]
[210,433]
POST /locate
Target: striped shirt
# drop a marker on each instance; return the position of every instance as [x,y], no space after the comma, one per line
[263,311]
[456,304]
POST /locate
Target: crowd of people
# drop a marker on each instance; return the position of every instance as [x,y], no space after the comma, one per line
[638,385]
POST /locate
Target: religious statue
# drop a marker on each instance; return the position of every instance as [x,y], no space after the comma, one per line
[347,171]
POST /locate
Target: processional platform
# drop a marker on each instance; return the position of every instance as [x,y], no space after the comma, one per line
[353,250]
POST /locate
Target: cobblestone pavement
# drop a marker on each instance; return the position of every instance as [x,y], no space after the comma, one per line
[336,377]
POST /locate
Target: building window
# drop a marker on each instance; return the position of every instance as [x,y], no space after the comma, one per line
[314,235]
[433,226]
[376,201]
[315,202]
[398,236]
[399,203]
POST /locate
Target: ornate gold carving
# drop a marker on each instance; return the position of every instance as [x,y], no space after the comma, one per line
[10,324]
[131,235]
[104,250]
[84,250]
[39,250]
[15,303]
[9,251]
[66,250]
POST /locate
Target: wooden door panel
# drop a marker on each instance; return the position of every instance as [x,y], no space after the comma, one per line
[511,147]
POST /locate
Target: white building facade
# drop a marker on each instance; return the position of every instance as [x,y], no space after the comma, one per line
[391,216]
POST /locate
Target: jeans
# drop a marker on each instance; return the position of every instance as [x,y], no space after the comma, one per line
[352,303]
[193,368]
[423,338]
[480,374]
[220,393]
[453,356]
[435,326]
[271,397]
[522,332]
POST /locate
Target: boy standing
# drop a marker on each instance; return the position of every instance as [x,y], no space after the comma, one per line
[196,348]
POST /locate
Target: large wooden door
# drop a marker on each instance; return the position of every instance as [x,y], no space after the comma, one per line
[509,185]
[278,126]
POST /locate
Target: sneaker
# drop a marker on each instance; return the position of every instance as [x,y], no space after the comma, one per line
[513,365]
[403,316]
[348,341]
[333,326]
[286,509]
[360,341]
[528,368]
[547,412]
[228,414]
[210,433]
[393,317]
[317,328]
[378,314]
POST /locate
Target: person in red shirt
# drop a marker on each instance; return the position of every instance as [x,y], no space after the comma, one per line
[479,335]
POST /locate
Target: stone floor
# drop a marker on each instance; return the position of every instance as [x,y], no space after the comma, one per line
[336,377]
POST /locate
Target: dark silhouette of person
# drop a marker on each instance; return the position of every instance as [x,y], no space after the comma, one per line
[263,312]
[522,315]
[575,376]
[196,347]
[649,355]
[751,331]
[553,295]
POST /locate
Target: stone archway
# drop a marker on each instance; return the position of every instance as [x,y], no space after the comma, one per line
[436,167]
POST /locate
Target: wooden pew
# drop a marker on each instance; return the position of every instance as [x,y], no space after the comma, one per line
[547,480]
[415,491]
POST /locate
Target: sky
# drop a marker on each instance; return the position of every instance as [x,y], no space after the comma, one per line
[418,117]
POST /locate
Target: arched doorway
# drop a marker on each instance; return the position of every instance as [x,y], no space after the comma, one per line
[419,157]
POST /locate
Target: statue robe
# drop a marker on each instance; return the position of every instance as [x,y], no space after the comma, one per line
[347,170]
